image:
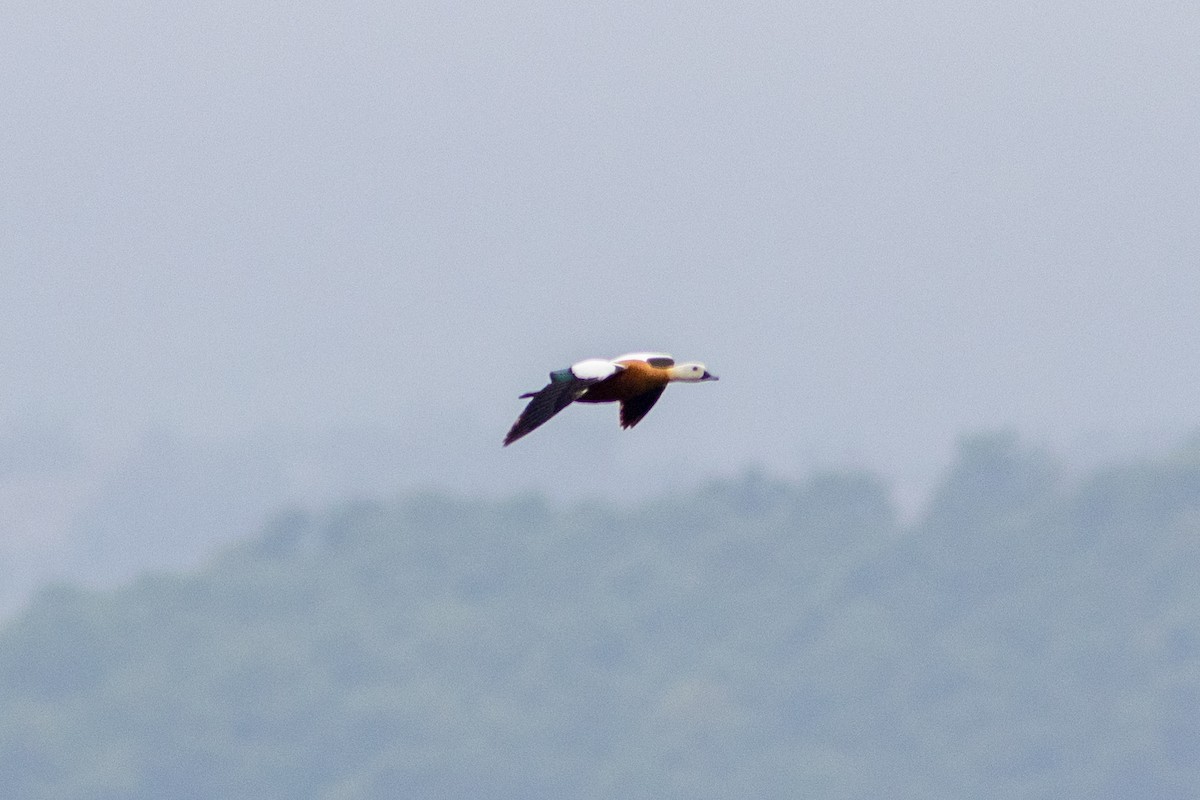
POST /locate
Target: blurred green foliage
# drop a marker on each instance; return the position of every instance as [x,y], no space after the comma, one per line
[1027,636]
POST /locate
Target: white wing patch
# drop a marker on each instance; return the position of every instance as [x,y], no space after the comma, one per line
[653,359]
[595,369]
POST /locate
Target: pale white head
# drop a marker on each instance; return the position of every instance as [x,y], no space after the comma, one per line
[691,372]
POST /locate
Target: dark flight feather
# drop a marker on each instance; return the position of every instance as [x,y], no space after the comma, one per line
[553,398]
[638,406]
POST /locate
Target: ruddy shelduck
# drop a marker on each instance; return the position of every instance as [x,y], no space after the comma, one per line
[635,380]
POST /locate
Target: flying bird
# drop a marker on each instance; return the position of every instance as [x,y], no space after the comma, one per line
[635,380]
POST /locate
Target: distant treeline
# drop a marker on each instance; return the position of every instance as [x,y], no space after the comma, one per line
[1029,636]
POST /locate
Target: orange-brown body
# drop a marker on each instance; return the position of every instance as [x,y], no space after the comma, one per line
[636,379]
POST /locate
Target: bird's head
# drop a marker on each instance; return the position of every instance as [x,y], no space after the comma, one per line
[692,372]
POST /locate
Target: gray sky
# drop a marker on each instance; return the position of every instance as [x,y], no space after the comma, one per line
[883,225]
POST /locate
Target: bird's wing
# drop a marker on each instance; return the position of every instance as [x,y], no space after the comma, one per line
[564,388]
[653,359]
[590,369]
[638,406]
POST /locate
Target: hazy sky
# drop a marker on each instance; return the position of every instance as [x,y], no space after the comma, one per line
[882,225]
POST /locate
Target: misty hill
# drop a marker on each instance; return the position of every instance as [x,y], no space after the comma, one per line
[1029,636]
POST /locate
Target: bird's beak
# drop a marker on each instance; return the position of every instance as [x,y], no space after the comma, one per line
[708,376]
